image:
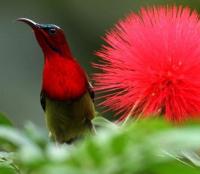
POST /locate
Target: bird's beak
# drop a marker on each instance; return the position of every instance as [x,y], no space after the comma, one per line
[31,23]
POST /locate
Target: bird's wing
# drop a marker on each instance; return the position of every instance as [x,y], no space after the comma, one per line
[42,100]
[91,91]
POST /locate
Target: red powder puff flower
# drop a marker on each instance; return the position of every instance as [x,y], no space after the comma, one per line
[151,64]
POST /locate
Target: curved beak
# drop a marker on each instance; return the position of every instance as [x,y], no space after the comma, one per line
[31,23]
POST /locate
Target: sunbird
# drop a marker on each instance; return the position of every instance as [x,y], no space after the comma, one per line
[67,96]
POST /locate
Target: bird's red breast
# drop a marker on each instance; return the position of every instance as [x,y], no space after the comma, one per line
[63,78]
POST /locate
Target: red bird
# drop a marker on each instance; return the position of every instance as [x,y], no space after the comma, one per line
[66,95]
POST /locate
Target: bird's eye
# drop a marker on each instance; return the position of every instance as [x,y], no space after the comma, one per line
[52,31]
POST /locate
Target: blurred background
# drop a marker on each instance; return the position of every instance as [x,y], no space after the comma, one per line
[21,60]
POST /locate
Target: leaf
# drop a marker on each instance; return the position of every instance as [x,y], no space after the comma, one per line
[4,120]
[59,169]
[7,165]
[7,155]
[4,169]
[14,136]
[193,157]
[36,135]
[137,147]
[177,140]
[172,167]
[103,123]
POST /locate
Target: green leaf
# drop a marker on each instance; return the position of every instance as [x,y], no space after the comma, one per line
[192,157]
[4,169]
[103,123]
[36,135]
[172,167]
[146,146]
[6,163]
[59,169]
[14,136]
[4,120]
[177,140]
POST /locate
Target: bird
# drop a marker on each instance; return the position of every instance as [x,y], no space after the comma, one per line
[67,96]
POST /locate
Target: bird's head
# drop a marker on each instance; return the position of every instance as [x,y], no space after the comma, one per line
[50,37]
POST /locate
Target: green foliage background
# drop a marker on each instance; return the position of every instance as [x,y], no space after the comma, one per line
[141,147]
